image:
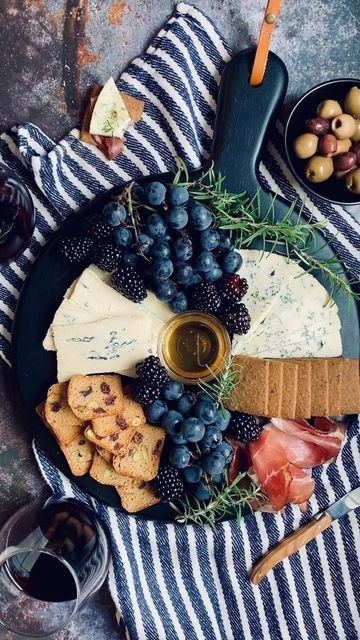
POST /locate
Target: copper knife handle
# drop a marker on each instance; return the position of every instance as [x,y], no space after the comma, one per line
[289,545]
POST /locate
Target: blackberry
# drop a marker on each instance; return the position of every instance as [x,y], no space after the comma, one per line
[76,249]
[145,393]
[129,282]
[205,298]
[168,484]
[244,427]
[97,227]
[236,319]
[151,371]
[232,288]
[107,256]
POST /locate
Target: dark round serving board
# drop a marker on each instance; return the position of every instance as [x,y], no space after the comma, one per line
[244,116]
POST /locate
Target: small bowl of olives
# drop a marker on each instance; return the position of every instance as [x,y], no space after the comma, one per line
[322,141]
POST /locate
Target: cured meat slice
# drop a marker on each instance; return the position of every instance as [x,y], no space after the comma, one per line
[285,449]
[271,466]
[111,147]
[241,459]
[301,486]
[301,453]
[326,444]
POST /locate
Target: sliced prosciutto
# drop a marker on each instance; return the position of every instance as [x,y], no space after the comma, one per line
[308,446]
[301,453]
[111,147]
[301,486]
[285,449]
[241,460]
[271,466]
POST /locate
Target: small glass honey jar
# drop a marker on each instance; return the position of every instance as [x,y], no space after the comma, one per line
[193,346]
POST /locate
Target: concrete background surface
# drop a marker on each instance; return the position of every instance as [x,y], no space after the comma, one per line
[51,51]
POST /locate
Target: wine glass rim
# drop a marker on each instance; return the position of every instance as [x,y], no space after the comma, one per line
[11,551]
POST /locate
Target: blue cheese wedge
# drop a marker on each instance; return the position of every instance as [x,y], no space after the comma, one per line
[266,274]
[98,295]
[300,319]
[91,298]
[113,345]
[70,313]
[110,116]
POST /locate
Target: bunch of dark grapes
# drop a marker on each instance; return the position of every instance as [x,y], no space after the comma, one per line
[175,250]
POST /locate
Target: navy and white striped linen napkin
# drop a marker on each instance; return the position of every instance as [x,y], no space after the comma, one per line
[167,581]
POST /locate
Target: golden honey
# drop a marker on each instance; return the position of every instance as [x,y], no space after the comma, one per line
[193,346]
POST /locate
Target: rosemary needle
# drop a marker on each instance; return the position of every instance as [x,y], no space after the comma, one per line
[228,500]
[222,384]
[246,223]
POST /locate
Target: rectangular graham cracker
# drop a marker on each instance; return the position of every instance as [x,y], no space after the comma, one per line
[303,395]
[335,374]
[250,394]
[350,387]
[290,385]
[319,387]
[275,391]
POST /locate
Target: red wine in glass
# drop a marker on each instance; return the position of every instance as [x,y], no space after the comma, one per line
[73,532]
[17,216]
[55,557]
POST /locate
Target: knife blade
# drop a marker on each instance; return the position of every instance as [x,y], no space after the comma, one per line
[341,507]
[302,536]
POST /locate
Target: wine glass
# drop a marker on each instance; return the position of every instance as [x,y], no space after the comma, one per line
[53,559]
[17,215]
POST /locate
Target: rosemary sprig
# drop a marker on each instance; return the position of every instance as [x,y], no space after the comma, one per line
[220,387]
[228,500]
[109,127]
[246,223]
[332,269]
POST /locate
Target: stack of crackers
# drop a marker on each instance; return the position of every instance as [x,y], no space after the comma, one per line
[101,430]
[296,388]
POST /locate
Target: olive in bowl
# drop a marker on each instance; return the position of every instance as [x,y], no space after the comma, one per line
[328,112]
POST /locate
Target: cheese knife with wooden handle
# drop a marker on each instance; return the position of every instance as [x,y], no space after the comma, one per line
[302,536]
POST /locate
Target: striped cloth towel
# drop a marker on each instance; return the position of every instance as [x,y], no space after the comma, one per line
[167,581]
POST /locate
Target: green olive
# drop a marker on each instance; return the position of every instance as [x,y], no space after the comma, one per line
[319,169]
[343,146]
[356,136]
[328,109]
[352,102]
[305,145]
[352,181]
[343,126]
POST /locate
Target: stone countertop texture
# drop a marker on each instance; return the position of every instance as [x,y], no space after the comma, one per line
[51,51]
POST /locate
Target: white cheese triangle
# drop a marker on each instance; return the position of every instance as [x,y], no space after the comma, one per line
[110,116]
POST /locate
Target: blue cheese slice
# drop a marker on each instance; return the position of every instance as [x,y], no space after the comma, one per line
[69,313]
[300,320]
[266,274]
[110,116]
[91,298]
[97,294]
[317,341]
[110,345]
